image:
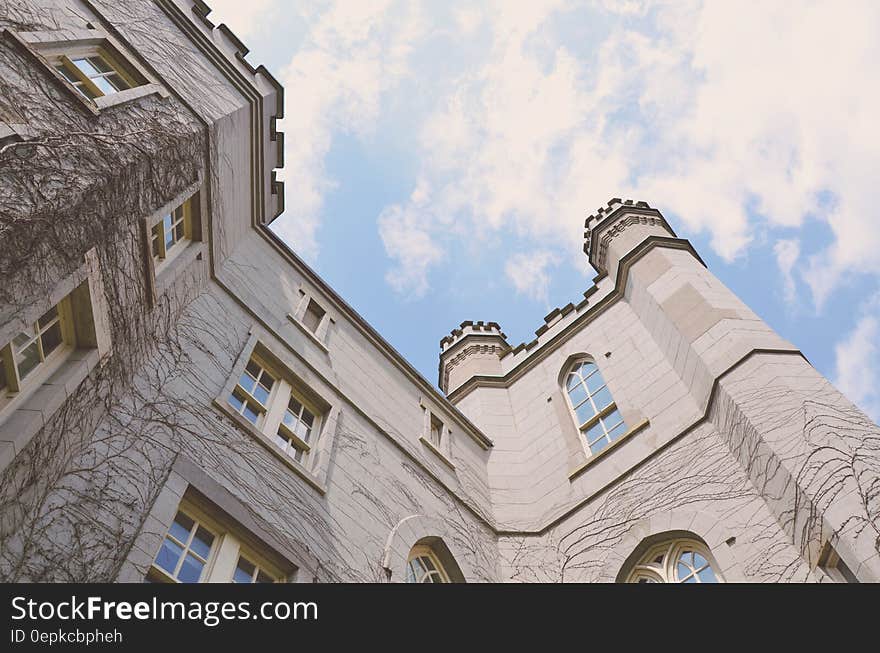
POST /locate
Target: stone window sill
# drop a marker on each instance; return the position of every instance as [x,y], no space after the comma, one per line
[302,327]
[433,449]
[261,438]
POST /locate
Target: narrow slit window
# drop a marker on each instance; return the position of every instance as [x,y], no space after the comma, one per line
[436,433]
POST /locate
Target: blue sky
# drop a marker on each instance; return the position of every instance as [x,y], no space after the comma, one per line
[442,156]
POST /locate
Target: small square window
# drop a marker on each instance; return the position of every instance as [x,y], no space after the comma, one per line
[313,316]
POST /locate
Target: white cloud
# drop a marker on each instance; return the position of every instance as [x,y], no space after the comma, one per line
[858,365]
[787,253]
[528,272]
[352,55]
[411,246]
[243,18]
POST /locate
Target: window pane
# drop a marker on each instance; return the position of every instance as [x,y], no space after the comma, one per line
[118,82]
[587,368]
[247,382]
[48,316]
[267,380]
[595,432]
[21,340]
[181,527]
[99,64]
[411,572]
[594,382]
[294,406]
[707,576]
[190,570]
[261,394]
[105,87]
[244,571]
[250,414]
[584,412]
[308,418]
[235,402]
[683,571]
[202,541]
[28,360]
[598,445]
[168,556]
[302,431]
[577,394]
[178,231]
[602,398]
[69,76]
[51,338]
[617,431]
[86,66]
[281,440]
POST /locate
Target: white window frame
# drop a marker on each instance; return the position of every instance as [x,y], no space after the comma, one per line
[442,449]
[320,334]
[271,422]
[226,549]
[600,415]
[416,572]
[660,563]
[85,335]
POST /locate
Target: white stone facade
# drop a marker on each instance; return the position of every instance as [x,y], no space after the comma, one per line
[733,439]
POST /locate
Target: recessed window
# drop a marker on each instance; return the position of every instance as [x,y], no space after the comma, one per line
[93,76]
[250,572]
[436,432]
[295,430]
[173,232]
[676,561]
[251,395]
[423,566]
[37,351]
[593,407]
[186,549]
[277,408]
[313,316]
[204,545]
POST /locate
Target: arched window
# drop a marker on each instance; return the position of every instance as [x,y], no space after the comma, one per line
[676,561]
[424,567]
[593,406]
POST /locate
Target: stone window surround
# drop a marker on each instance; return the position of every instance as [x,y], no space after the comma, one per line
[320,335]
[22,423]
[35,43]
[159,280]
[187,482]
[444,451]
[580,457]
[315,471]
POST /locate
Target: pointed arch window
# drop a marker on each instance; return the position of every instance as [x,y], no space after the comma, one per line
[592,405]
[676,561]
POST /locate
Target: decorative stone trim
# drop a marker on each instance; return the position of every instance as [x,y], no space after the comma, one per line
[499,350]
[619,228]
[417,529]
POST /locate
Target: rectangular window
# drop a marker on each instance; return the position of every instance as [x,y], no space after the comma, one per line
[170,235]
[313,316]
[251,395]
[277,408]
[436,433]
[186,550]
[204,545]
[37,351]
[94,71]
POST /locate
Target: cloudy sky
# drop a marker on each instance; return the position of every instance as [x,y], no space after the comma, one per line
[442,156]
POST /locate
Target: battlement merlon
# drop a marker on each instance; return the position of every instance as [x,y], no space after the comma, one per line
[618,228]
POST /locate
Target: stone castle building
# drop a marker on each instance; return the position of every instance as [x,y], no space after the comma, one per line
[183,399]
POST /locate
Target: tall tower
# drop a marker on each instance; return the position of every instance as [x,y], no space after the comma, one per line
[712,425]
